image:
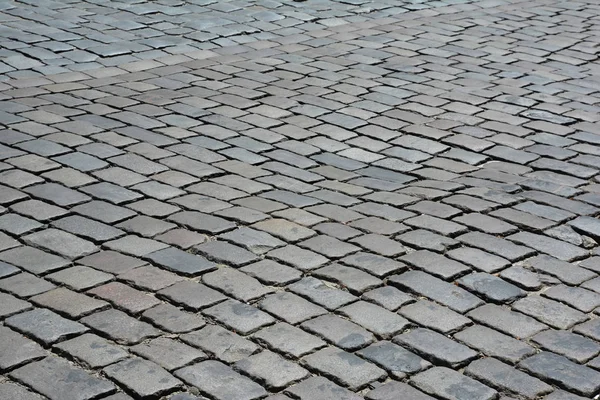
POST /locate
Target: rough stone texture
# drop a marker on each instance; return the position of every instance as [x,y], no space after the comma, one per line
[56,378]
[256,182]
[451,385]
[144,378]
[559,370]
[505,378]
[16,349]
[220,381]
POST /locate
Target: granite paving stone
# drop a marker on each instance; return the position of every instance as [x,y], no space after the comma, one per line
[144,378]
[17,349]
[92,350]
[45,325]
[324,199]
[220,381]
[345,368]
[56,378]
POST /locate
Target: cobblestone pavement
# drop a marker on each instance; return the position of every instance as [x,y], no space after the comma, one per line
[320,200]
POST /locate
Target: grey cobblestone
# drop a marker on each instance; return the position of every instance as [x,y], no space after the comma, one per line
[225,189]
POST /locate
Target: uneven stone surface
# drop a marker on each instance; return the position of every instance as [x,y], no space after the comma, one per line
[320,199]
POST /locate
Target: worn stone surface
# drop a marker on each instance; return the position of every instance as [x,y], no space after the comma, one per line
[220,381]
[56,378]
[256,183]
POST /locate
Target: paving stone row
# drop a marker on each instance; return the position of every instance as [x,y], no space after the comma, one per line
[310,200]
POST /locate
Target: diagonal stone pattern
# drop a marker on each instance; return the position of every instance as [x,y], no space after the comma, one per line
[313,200]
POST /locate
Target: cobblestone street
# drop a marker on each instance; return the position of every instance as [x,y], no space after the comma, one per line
[311,200]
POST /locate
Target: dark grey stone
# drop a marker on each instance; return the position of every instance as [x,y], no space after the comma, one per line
[346,368]
[564,373]
[45,325]
[180,261]
[451,385]
[57,379]
[506,378]
[144,378]
[220,381]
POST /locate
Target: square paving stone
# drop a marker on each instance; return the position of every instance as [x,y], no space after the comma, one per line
[435,264]
[45,325]
[144,378]
[58,379]
[145,226]
[297,257]
[275,371]
[290,307]
[169,354]
[201,222]
[135,245]
[550,312]
[111,262]
[80,277]
[395,359]
[150,278]
[377,265]
[346,368]
[272,273]
[342,333]
[16,349]
[507,321]
[451,385]
[226,253]
[61,242]
[507,379]
[25,285]
[120,327]
[241,317]
[392,390]
[579,298]
[329,246]
[443,292]
[495,344]
[68,302]
[57,194]
[10,305]
[33,260]
[478,259]
[87,228]
[172,319]
[288,339]
[17,224]
[436,347]
[6,242]
[258,242]
[491,287]
[182,238]
[223,344]
[320,293]
[125,297]
[220,381]
[378,320]
[103,211]
[320,388]
[388,297]
[435,316]
[284,229]
[556,248]
[563,372]
[92,350]
[180,261]
[15,392]
[575,347]
[110,192]
[192,295]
